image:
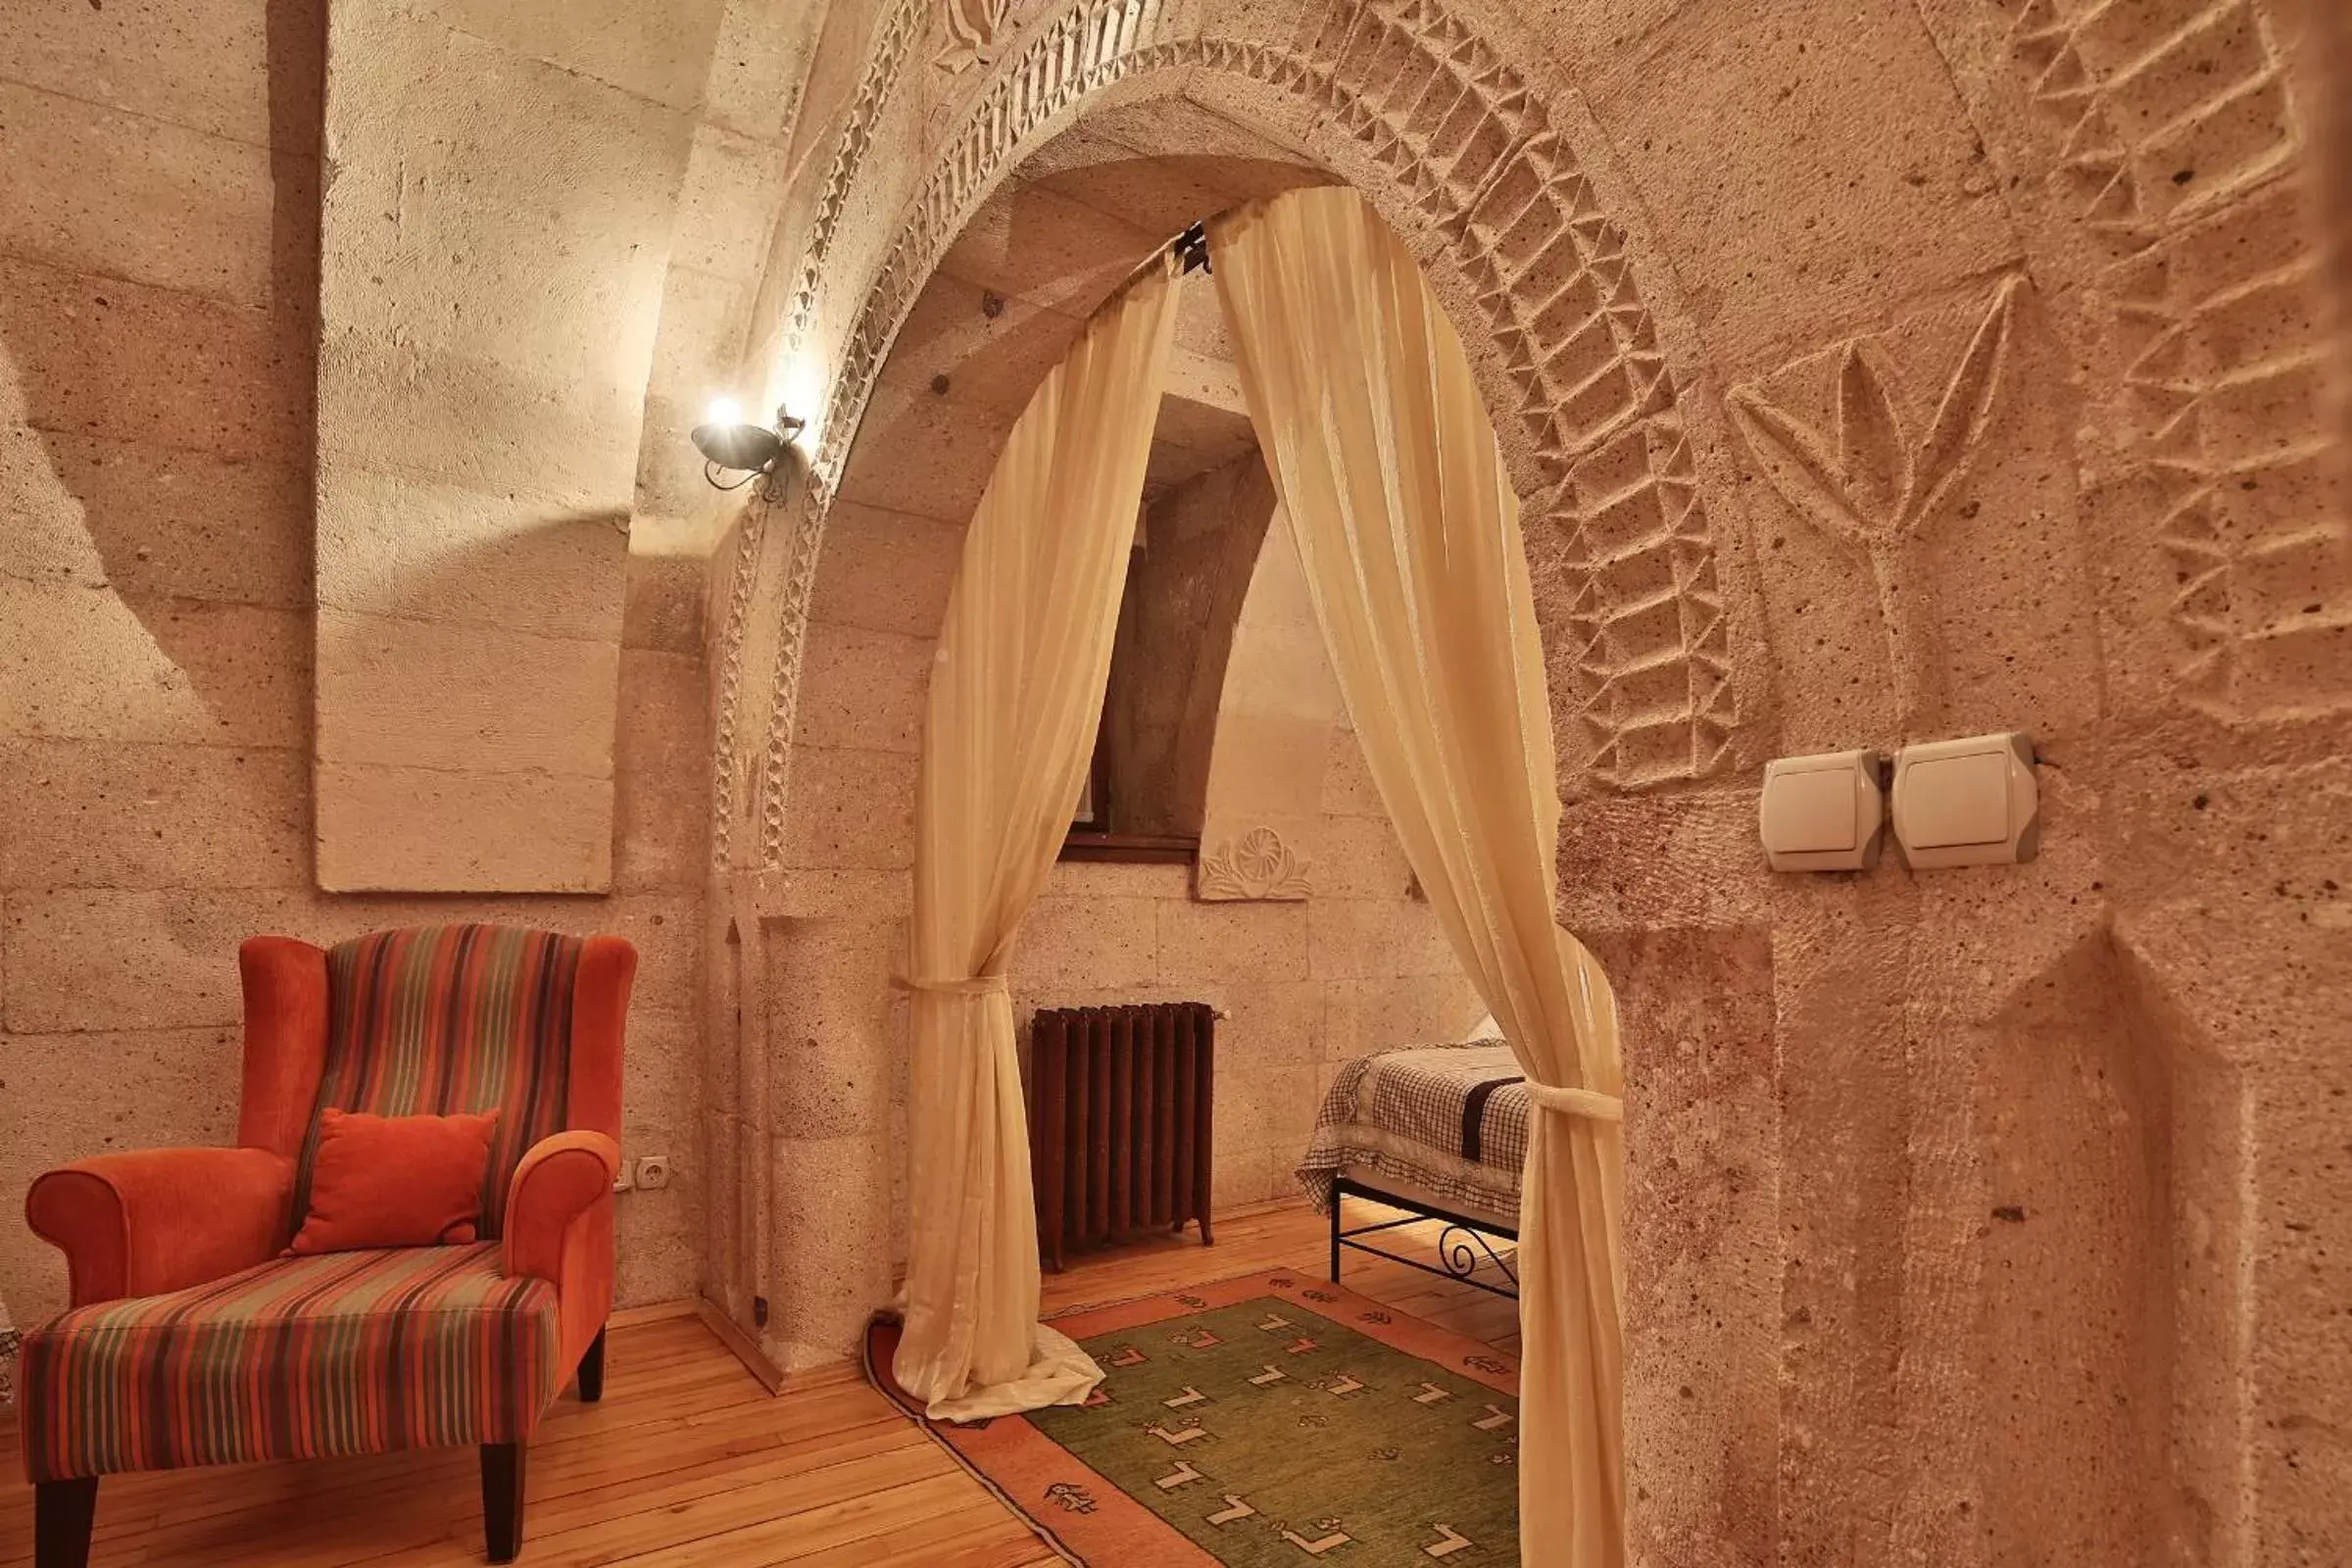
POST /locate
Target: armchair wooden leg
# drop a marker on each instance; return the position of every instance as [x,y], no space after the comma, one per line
[501,1500]
[592,1370]
[62,1514]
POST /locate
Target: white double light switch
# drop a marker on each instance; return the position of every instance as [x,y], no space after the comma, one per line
[1971,802]
[1821,813]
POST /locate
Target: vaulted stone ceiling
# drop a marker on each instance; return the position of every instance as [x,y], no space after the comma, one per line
[1028,271]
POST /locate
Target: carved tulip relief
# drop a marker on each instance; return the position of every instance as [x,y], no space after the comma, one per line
[1880,468]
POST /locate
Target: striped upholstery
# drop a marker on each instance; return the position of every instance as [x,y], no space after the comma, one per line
[442,1020]
[341,1354]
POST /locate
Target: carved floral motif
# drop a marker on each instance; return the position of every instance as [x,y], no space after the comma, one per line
[971,29]
[1876,475]
[1257,867]
[972,32]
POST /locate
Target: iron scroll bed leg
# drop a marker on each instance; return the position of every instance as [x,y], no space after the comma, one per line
[1461,1248]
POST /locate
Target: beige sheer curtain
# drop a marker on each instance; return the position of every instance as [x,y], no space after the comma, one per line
[1015,698]
[1388,468]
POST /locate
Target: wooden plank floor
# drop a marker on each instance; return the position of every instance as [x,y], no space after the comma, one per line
[688,1460]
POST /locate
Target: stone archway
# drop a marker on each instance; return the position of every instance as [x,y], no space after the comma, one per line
[1542,285]
[1443,133]
[1850,1094]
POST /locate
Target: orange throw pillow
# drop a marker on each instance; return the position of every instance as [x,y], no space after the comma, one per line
[395,1181]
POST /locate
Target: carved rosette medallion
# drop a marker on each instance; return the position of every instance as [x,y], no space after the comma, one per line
[1257,867]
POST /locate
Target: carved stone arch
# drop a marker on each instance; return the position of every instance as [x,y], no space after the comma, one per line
[1452,145]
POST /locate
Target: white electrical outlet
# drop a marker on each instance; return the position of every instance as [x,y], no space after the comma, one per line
[1821,813]
[653,1172]
[1972,802]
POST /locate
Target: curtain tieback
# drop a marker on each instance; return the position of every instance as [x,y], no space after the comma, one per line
[979,985]
[1577,1101]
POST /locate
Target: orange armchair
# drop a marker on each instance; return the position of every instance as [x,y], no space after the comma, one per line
[192,1340]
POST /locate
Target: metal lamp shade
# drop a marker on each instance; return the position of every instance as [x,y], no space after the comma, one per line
[742,447]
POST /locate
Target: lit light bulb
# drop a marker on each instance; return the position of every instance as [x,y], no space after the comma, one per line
[723,410]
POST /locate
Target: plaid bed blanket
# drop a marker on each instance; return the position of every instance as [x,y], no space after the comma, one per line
[1448,1119]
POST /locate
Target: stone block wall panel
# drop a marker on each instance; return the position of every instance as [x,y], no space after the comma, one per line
[184,209]
[1183,657]
[888,571]
[90,664]
[867,690]
[104,813]
[491,326]
[82,343]
[159,323]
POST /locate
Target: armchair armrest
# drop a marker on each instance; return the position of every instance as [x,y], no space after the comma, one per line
[560,1180]
[153,1220]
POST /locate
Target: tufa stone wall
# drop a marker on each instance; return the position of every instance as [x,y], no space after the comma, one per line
[159,265]
[1868,374]
[499,332]
[1322,959]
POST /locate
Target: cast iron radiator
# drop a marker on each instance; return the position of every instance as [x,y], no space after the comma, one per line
[1119,1121]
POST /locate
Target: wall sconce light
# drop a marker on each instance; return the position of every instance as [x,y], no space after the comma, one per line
[728,444]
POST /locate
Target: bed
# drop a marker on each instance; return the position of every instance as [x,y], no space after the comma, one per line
[1439,1131]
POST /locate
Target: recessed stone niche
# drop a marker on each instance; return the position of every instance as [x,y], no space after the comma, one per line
[478,441]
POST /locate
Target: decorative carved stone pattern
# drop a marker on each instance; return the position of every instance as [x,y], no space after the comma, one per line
[2166,106]
[1086,49]
[741,583]
[792,648]
[2225,402]
[1647,679]
[1257,867]
[1880,472]
[2179,127]
[973,29]
[1473,150]
[892,41]
[774,782]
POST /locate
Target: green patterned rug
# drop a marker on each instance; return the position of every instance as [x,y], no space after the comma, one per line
[1266,1422]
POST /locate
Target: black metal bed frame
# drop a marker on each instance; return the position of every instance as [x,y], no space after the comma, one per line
[1459,1246]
